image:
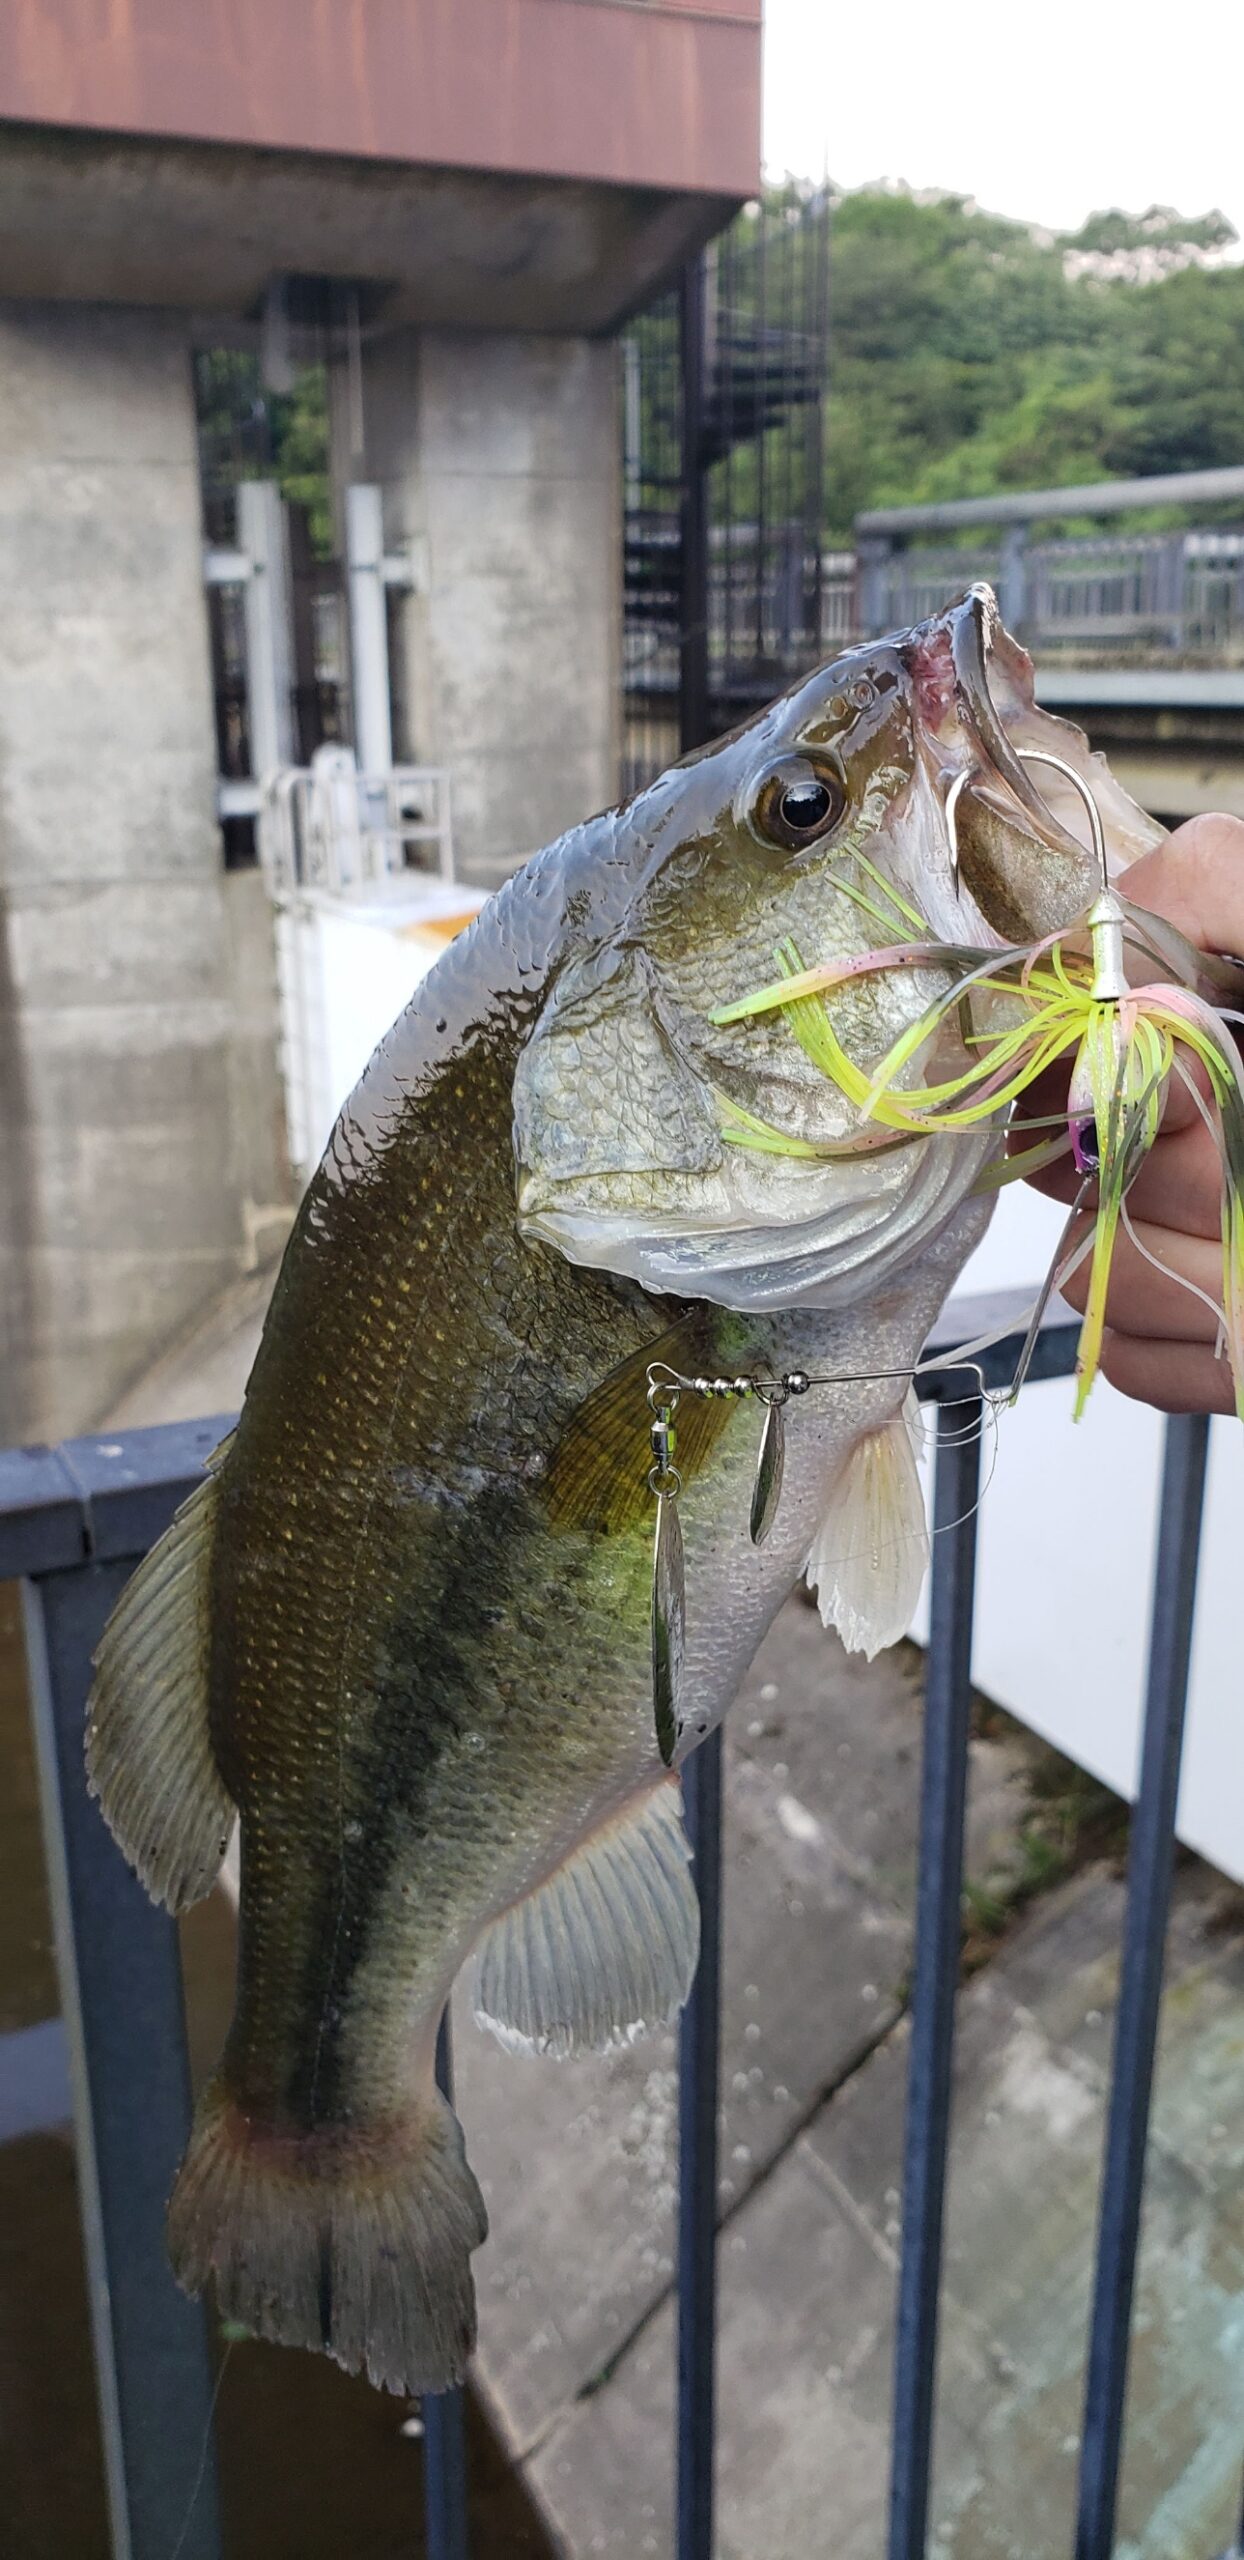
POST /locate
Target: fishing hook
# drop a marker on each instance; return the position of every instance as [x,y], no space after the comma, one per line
[1030,755]
[1039,755]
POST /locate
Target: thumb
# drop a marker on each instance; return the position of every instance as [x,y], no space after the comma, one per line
[1195,880]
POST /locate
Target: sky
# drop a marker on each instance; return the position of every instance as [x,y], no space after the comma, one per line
[1048,113]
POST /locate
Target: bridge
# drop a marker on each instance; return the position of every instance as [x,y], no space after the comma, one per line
[1136,634]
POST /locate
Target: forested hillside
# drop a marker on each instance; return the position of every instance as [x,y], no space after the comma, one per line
[968,353]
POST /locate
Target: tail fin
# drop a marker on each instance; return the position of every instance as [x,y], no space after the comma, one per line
[354,2245]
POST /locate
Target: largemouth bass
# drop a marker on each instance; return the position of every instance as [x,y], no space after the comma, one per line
[401,1632]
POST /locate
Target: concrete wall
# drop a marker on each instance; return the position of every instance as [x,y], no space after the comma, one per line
[499,457]
[138,1096]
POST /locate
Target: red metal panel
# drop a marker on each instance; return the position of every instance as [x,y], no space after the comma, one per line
[665,93]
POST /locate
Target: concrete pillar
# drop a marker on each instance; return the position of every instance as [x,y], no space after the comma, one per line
[137,1159]
[500,461]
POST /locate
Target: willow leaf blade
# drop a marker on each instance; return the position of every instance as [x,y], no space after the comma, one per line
[669,1626]
[770,1464]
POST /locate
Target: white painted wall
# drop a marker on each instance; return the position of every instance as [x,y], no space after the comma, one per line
[1067,1536]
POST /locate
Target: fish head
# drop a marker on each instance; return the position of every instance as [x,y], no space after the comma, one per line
[819,830]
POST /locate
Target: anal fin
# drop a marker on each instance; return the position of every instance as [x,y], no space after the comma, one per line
[148,1751]
[605,1947]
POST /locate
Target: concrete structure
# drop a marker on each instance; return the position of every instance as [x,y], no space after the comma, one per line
[481,190]
[498,457]
[141,1148]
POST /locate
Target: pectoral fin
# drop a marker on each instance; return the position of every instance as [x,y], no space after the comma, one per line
[598,1476]
[606,1947]
[870,1554]
[148,1751]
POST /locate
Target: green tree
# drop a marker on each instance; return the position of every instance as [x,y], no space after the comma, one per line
[969,353]
[247,433]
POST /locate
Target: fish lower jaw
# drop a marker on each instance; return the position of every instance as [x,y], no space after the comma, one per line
[852,1237]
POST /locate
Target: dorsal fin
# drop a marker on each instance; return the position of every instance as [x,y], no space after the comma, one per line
[598,1476]
[148,1751]
[606,1947]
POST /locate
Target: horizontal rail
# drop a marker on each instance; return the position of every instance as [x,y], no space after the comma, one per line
[1144,688]
[90,1499]
[109,1494]
[1085,498]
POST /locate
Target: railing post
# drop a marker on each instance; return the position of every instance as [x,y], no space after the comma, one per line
[1013,578]
[698,2072]
[444,2415]
[1176,571]
[939,1894]
[1150,1864]
[872,565]
[120,1986]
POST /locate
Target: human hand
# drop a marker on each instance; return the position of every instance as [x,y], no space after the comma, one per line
[1160,1343]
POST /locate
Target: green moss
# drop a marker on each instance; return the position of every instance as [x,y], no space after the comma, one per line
[1070,1821]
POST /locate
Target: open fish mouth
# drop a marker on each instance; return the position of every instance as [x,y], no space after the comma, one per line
[1022,850]
[975,628]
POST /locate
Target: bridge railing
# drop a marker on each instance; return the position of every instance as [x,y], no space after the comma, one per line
[75,1521]
[1133,593]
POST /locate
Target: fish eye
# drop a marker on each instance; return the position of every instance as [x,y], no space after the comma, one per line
[799,802]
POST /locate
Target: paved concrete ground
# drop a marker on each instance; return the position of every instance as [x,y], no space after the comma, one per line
[577,2160]
[577,2349]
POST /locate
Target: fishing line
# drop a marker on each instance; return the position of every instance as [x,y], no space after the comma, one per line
[992,1409]
[993,1405]
[666,1385]
[204,2452]
[1181,1281]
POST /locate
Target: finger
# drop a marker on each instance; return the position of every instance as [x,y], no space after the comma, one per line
[1196,880]
[1180,1184]
[1047,1100]
[1147,1302]
[1177,1377]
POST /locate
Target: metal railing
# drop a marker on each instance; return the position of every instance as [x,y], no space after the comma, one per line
[1134,594]
[74,1522]
[1126,595]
